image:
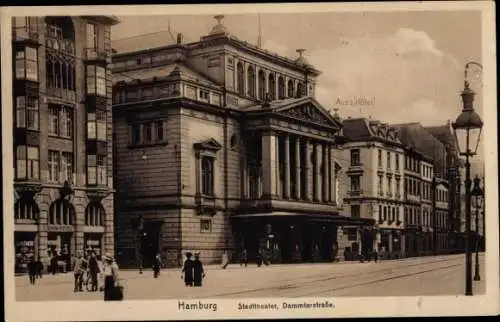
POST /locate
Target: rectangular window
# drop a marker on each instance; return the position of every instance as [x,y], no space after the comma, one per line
[355,157]
[32,117]
[101,125]
[53,166]
[396,159]
[389,186]
[379,158]
[21,111]
[91,32]
[159,131]
[207,173]
[148,133]
[355,183]
[53,120]
[388,159]
[66,122]
[33,167]
[21,162]
[96,80]
[136,134]
[27,63]
[205,225]
[355,211]
[101,170]
[91,126]
[67,167]
[380,185]
[91,169]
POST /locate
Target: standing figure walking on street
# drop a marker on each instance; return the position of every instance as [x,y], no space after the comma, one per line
[32,271]
[157,265]
[39,268]
[187,270]
[94,271]
[79,268]
[243,258]
[225,259]
[112,290]
[198,272]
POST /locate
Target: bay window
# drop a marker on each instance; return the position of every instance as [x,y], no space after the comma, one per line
[27,162]
[27,63]
[91,32]
[96,125]
[96,170]
[96,80]
[27,112]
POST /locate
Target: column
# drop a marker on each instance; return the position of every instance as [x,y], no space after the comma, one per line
[391,238]
[269,164]
[244,176]
[297,168]
[276,86]
[245,78]
[332,175]
[286,167]
[326,173]
[266,82]
[256,80]
[317,171]
[308,169]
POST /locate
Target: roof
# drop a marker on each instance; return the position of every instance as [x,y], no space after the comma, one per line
[360,129]
[418,137]
[145,74]
[144,42]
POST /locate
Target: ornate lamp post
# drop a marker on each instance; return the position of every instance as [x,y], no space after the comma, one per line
[477,192]
[469,125]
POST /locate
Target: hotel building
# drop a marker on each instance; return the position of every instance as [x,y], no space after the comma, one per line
[62,136]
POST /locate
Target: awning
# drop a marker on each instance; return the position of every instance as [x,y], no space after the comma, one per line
[334,219]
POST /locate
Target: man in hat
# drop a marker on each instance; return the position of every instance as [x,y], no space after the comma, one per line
[79,267]
[187,270]
[198,272]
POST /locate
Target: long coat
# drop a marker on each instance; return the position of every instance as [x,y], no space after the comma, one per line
[188,272]
[198,272]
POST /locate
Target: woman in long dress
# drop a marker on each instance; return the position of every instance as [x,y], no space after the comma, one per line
[187,270]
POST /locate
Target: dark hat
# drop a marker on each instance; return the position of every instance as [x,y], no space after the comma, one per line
[189,254]
[197,254]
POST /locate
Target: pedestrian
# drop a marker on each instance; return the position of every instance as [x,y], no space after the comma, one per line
[79,267]
[113,291]
[187,270]
[53,264]
[198,272]
[32,270]
[243,258]
[335,250]
[225,259]
[259,258]
[39,268]
[157,265]
[94,271]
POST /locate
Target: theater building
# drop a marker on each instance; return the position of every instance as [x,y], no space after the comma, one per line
[62,136]
[376,183]
[221,145]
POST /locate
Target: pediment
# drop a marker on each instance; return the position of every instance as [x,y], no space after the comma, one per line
[311,111]
[210,145]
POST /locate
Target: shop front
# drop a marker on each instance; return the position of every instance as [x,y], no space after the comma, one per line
[93,244]
[25,249]
[59,245]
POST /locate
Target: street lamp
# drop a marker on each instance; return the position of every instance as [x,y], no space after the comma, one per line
[469,123]
[477,192]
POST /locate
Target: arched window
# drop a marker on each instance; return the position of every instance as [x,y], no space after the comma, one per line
[61,212]
[207,176]
[290,88]
[272,86]
[241,79]
[281,88]
[251,81]
[94,214]
[300,90]
[262,84]
[26,209]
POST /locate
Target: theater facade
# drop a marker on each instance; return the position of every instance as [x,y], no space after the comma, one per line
[220,144]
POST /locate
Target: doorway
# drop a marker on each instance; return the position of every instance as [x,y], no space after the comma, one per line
[150,243]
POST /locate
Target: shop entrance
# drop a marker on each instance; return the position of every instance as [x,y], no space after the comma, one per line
[59,248]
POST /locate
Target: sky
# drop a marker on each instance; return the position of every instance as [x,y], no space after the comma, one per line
[391,66]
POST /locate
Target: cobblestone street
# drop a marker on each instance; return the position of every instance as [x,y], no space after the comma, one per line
[440,275]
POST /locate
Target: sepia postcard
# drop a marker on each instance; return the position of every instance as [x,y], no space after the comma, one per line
[250,161]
